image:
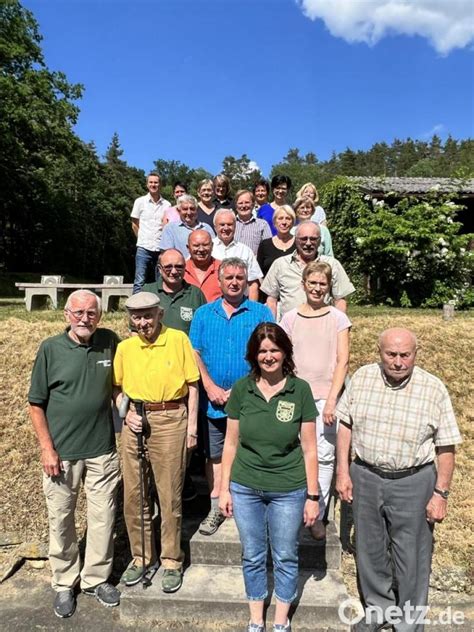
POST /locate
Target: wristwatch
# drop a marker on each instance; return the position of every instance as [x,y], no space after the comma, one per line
[444,493]
[312,497]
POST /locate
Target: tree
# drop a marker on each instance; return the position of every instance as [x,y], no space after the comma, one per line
[241,172]
[37,112]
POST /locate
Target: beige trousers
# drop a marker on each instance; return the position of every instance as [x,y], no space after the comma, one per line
[100,476]
[166,453]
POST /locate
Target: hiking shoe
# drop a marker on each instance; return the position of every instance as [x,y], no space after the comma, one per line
[64,604]
[282,627]
[132,575]
[189,490]
[256,627]
[105,593]
[172,580]
[211,522]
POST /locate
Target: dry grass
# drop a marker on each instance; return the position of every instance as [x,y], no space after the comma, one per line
[446,349]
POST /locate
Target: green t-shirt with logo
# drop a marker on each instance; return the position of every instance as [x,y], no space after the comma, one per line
[269,455]
[73,383]
[179,306]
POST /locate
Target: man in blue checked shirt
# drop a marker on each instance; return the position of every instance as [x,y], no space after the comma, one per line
[219,334]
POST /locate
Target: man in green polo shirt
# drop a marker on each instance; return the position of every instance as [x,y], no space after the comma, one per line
[178,298]
[70,407]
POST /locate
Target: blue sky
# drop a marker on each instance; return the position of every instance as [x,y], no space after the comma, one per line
[196,80]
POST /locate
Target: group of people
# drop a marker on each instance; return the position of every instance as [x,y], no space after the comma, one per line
[206,365]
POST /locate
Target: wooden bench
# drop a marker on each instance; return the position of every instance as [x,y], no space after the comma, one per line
[110,290]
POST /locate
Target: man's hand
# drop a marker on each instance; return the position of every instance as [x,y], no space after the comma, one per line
[217,395]
[344,486]
[133,421]
[52,464]
[436,509]
[191,441]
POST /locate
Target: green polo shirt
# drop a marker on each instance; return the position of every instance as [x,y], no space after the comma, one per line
[269,455]
[73,383]
[180,306]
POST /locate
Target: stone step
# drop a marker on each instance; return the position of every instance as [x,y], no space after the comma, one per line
[223,547]
[212,598]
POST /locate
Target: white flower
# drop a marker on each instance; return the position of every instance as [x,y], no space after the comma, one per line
[359,241]
[415,253]
[442,242]
[444,252]
[449,220]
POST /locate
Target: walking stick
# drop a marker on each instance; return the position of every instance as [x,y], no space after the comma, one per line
[139,407]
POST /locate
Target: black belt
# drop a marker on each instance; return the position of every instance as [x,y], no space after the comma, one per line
[392,474]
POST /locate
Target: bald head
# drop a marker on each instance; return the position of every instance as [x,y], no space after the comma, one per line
[200,248]
[397,347]
[397,334]
[171,257]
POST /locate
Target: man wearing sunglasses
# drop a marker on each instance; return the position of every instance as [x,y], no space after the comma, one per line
[178,298]
[70,408]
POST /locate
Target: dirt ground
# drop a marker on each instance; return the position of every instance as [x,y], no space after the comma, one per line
[446,349]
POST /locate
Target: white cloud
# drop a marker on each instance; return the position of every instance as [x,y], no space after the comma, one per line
[253,166]
[439,129]
[447,24]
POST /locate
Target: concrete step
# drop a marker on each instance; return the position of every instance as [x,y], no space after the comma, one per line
[224,546]
[212,598]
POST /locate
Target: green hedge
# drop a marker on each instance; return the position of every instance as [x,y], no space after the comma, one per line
[404,252]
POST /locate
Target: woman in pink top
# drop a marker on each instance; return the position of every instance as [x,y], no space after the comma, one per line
[320,337]
[171,213]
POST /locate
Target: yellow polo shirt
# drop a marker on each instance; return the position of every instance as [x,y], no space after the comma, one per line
[158,371]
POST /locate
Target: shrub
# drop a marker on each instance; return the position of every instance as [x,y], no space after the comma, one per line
[408,251]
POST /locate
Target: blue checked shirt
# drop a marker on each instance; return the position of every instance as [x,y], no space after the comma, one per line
[222,343]
[176,234]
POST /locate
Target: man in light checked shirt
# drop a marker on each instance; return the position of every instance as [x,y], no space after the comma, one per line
[400,421]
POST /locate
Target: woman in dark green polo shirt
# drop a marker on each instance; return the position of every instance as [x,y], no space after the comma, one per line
[269,469]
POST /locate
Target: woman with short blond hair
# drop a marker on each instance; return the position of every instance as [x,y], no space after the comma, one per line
[206,207]
[281,244]
[309,190]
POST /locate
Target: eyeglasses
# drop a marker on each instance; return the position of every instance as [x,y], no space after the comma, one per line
[79,313]
[314,284]
[313,240]
[169,268]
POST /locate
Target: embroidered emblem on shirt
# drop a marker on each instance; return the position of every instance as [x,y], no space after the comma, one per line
[105,362]
[186,313]
[285,411]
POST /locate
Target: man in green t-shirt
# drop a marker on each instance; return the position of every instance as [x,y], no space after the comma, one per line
[179,299]
[70,407]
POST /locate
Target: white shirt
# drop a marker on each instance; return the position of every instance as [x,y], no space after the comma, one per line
[150,214]
[237,249]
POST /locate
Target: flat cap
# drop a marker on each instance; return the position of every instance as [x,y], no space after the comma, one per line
[142,300]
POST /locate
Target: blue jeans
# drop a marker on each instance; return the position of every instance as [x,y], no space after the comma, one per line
[276,516]
[145,268]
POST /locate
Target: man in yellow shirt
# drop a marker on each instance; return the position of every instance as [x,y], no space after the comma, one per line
[156,368]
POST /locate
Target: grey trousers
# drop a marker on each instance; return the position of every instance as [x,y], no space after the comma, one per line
[393,539]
